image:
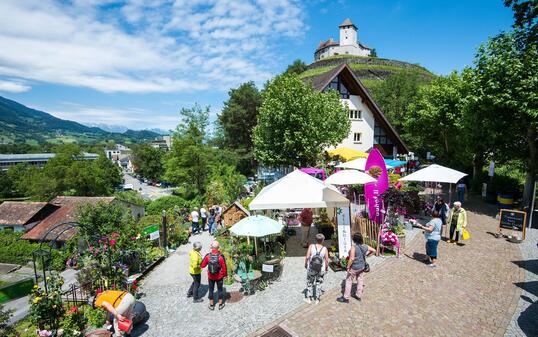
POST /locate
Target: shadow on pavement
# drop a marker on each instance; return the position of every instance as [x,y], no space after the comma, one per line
[527,320]
[140,328]
[529,265]
[530,287]
[419,257]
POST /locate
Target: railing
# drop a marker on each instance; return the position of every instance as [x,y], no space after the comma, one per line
[369,230]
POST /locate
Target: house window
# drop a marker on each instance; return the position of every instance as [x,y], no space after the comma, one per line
[336,84]
[380,136]
[357,137]
[355,114]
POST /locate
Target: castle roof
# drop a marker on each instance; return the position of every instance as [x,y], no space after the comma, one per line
[324,44]
[347,22]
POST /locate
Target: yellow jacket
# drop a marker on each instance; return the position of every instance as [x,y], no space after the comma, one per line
[195,259]
[462,219]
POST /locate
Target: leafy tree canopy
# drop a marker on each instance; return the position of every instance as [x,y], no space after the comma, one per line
[296,68]
[148,161]
[296,123]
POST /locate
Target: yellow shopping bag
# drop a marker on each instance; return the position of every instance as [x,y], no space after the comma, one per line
[465,235]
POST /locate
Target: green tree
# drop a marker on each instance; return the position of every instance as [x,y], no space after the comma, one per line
[237,120]
[148,161]
[101,219]
[525,15]
[296,123]
[373,53]
[225,184]
[396,93]
[436,122]
[505,79]
[187,162]
[6,185]
[296,68]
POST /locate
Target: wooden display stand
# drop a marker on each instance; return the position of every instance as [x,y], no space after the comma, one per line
[512,220]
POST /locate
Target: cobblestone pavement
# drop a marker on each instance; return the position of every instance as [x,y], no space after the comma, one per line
[172,314]
[473,292]
[525,319]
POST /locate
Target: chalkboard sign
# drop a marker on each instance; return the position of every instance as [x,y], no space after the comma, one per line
[514,220]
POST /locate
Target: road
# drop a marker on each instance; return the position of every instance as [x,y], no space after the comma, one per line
[148,192]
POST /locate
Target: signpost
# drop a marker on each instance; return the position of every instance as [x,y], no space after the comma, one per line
[513,220]
[344,231]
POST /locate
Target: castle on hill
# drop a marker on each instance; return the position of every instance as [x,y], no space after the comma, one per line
[348,44]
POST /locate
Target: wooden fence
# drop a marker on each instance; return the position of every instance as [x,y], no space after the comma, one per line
[369,230]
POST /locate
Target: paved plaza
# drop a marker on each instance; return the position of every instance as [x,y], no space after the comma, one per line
[482,288]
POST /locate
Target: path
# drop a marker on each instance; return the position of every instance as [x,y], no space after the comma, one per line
[473,292]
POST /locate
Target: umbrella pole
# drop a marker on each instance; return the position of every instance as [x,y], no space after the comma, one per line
[248,240]
[255,246]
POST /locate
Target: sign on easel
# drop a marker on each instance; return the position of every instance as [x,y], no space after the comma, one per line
[344,231]
[513,220]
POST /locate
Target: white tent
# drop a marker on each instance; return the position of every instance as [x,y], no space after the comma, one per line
[349,177]
[357,164]
[435,173]
[298,190]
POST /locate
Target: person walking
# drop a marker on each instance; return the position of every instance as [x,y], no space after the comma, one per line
[432,234]
[203,216]
[306,218]
[355,268]
[195,260]
[461,189]
[457,218]
[195,217]
[442,208]
[211,220]
[216,272]
[316,263]
[118,303]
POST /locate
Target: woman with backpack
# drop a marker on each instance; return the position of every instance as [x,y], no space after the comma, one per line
[216,272]
[317,264]
[356,267]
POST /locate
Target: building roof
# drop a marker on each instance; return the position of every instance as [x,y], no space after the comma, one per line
[238,205]
[16,157]
[321,81]
[329,43]
[19,212]
[66,212]
[347,22]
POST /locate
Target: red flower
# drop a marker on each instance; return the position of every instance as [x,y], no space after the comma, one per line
[112,243]
[73,310]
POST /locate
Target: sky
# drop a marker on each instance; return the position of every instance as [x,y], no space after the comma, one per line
[135,64]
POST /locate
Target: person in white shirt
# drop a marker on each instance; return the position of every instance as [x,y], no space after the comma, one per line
[203,215]
[317,264]
[195,217]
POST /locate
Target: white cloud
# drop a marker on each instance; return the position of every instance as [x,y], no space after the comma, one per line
[132,118]
[144,45]
[15,87]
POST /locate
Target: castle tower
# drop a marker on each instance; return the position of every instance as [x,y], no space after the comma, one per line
[348,33]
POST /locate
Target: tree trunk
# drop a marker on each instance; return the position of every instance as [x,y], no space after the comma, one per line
[532,169]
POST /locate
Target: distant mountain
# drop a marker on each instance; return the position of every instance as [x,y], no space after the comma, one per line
[108,127]
[20,124]
[160,131]
[141,134]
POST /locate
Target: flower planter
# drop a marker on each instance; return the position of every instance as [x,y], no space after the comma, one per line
[401,239]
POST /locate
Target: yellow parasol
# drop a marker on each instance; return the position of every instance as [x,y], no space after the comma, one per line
[347,154]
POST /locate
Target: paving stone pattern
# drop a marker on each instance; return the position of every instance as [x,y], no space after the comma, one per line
[172,314]
[525,319]
[471,293]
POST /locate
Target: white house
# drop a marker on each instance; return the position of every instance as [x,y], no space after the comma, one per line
[348,44]
[369,126]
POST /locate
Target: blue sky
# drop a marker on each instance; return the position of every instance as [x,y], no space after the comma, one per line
[135,63]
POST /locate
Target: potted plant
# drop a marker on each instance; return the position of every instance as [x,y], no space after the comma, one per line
[325,226]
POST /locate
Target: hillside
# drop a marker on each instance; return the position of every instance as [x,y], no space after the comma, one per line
[371,71]
[20,124]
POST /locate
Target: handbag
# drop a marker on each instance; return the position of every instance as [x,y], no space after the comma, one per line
[465,235]
[125,325]
[366,265]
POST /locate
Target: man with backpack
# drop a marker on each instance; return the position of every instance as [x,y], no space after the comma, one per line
[216,272]
[316,264]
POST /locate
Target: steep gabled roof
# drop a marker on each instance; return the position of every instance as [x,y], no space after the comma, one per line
[320,82]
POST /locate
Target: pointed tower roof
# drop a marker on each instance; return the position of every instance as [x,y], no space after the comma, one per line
[347,22]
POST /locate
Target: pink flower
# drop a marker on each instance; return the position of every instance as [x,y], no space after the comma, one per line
[112,243]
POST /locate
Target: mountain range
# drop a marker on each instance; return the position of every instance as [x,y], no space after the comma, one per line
[20,124]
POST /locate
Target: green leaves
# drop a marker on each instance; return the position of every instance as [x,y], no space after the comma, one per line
[148,161]
[296,123]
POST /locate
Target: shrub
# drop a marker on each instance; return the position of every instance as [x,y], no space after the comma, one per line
[95,317]
[166,203]
[15,250]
